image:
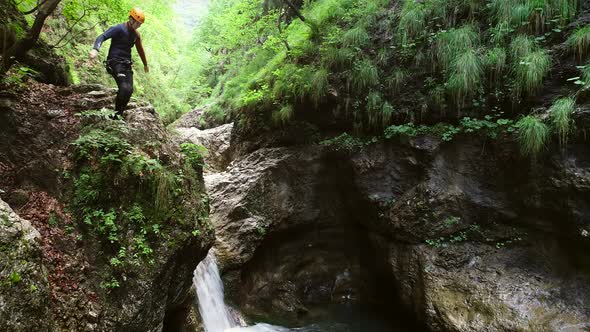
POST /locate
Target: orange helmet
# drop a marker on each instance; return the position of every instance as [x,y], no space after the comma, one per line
[137,15]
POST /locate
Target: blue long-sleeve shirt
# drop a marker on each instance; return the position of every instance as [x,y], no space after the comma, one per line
[123,39]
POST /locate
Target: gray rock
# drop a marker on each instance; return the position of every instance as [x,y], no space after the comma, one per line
[24,289]
[216,140]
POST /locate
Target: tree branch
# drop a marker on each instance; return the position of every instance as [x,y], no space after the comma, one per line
[22,46]
[39,4]
[295,9]
[281,31]
[71,27]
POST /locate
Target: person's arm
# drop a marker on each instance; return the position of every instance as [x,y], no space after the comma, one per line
[98,42]
[139,48]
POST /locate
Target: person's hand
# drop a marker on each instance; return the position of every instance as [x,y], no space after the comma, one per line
[146,68]
[93,54]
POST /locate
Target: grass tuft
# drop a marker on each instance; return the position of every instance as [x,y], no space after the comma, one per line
[530,72]
[579,42]
[397,79]
[356,37]
[364,75]
[283,115]
[466,76]
[561,118]
[532,135]
[522,46]
[319,85]
[412,21]
[453,42]
[495,62]
[338,57]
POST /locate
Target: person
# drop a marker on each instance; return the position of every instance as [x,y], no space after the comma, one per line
[118,62]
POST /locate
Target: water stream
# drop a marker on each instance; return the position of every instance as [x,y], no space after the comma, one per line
[215,314]
[217,317]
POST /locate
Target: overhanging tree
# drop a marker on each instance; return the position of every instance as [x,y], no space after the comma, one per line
[19,49]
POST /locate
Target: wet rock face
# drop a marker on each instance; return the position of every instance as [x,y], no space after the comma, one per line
[485,240]
[24,290]
[287,240]
[467,235]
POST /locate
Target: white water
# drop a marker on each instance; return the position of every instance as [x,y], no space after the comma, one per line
[215,314]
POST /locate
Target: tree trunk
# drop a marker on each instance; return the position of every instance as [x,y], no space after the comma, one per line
[22,46]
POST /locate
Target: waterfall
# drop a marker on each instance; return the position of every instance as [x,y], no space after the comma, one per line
[215,314]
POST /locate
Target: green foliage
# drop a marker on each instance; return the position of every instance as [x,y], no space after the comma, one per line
[346,143]
[495,62]
[532,135]
[455,42]
[412,21]
[364,75]
[579,42]
[522,46]
[356,37]
[283,115]
[405,130]
[125,198]
[338,57]
[397,79]
[466,76]
[319,85]
[194,154]
[561,118]
[530,72]
[16,77]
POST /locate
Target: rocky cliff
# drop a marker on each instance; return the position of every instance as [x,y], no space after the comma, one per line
[109,216]
[466,235]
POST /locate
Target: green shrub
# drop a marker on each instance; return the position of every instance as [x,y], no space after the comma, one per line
[344,143]
[579,42]
[532,135]
[561,118]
